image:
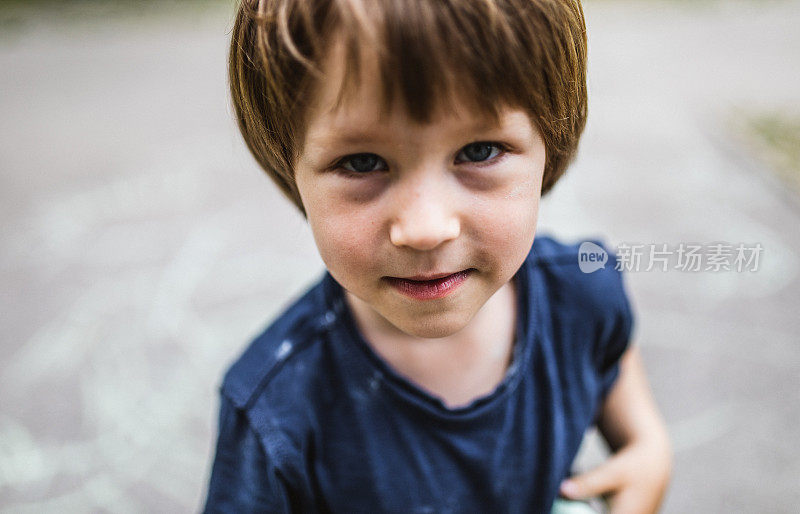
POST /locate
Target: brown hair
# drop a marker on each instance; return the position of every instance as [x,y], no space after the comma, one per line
[528,54]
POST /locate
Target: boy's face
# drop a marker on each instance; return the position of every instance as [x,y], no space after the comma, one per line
[389,199]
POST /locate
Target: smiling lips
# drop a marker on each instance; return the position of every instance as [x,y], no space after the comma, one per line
[429,288]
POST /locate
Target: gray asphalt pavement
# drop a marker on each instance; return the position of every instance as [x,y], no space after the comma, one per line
[140,248]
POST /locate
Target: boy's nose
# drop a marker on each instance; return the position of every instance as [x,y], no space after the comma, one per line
[425,218]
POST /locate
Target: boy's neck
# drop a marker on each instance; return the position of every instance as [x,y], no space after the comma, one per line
[457,368]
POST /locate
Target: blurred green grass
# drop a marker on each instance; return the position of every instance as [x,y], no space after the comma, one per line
[776,138]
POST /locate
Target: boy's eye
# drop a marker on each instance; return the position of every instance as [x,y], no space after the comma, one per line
[478,152]
[363,163]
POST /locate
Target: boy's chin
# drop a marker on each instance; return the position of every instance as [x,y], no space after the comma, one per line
[432,328]
[399,321]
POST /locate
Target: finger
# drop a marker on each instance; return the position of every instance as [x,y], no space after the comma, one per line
[604,479]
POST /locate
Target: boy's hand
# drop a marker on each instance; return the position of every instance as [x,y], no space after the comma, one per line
[632,480]
[635,477]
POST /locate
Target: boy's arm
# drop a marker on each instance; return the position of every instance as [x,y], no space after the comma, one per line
[635,477]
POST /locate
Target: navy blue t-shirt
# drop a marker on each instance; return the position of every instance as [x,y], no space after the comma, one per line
[312,420]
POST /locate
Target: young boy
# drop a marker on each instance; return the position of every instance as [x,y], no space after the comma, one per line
[447,361]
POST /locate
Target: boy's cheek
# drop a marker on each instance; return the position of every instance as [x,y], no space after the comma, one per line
[505,223]
[341,247]
[346,243]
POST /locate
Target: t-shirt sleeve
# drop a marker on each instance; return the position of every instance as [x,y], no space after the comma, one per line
[242,477]
[616,327]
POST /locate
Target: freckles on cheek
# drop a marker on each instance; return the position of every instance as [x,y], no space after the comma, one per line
[346,241]
[508,226]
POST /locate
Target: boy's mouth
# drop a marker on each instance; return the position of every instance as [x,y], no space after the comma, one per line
[429,287]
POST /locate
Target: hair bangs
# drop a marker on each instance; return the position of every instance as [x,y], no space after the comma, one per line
[433,56]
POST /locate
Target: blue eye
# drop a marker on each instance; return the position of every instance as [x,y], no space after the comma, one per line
[363,163]
[478,152]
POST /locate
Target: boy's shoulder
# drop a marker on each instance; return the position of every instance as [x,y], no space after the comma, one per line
[585,263]
[584,297]
[581,279]
[549,250]
[290,337]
